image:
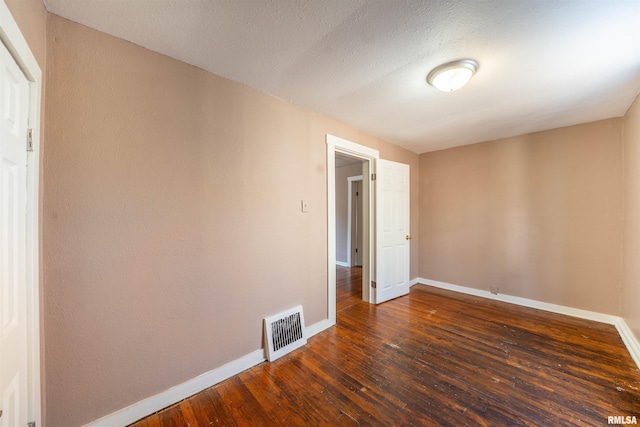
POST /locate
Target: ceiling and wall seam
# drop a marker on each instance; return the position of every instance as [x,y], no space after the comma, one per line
[543,65]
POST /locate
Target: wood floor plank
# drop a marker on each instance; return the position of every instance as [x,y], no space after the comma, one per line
[217,411]
[431,358]
[283,410]
[348,287]
[298,398]
[201,411]
[188,414]
[172,417]
[245,409]
[152,421]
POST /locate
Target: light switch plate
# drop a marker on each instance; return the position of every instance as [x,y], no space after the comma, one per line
[304,206]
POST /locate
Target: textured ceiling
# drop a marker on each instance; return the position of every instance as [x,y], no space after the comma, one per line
[543,64]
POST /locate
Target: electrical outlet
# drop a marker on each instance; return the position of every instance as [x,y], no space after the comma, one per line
[495,290]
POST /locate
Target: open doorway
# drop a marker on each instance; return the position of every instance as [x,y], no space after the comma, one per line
[355,233]
[385,225]
[349,230]
[366,157]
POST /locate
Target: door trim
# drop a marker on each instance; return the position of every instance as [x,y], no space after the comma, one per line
[368,155]
[17,45]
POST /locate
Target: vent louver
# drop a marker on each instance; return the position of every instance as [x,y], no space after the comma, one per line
[284,333]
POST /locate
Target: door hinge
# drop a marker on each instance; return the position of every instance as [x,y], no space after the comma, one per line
[29,144]
[374,285]
[373,177]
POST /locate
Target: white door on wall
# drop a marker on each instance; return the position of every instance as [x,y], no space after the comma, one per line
[14,109]
[392,230]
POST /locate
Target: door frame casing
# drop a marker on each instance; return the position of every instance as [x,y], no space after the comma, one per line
[12,38]
[369,157]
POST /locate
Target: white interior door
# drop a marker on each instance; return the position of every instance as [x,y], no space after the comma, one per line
[392,230]
[14,110]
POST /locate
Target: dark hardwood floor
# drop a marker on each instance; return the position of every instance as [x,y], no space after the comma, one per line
[348,287]
[433,357]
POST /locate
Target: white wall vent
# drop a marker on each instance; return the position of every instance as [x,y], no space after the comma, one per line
[284,332]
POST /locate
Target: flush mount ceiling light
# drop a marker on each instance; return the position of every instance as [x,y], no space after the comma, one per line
[452,75]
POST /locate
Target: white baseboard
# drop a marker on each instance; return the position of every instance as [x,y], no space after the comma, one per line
[175,394]
[628,338]
[152,404]
[342,264]
[318,327]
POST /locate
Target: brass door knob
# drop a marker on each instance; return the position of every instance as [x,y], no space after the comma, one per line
[408,237]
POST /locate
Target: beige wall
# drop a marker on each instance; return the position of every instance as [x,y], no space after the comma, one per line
[172,220]
[631,266]
[538,215]
[342,207]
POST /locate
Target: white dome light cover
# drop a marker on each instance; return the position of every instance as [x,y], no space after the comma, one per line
[452,75]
